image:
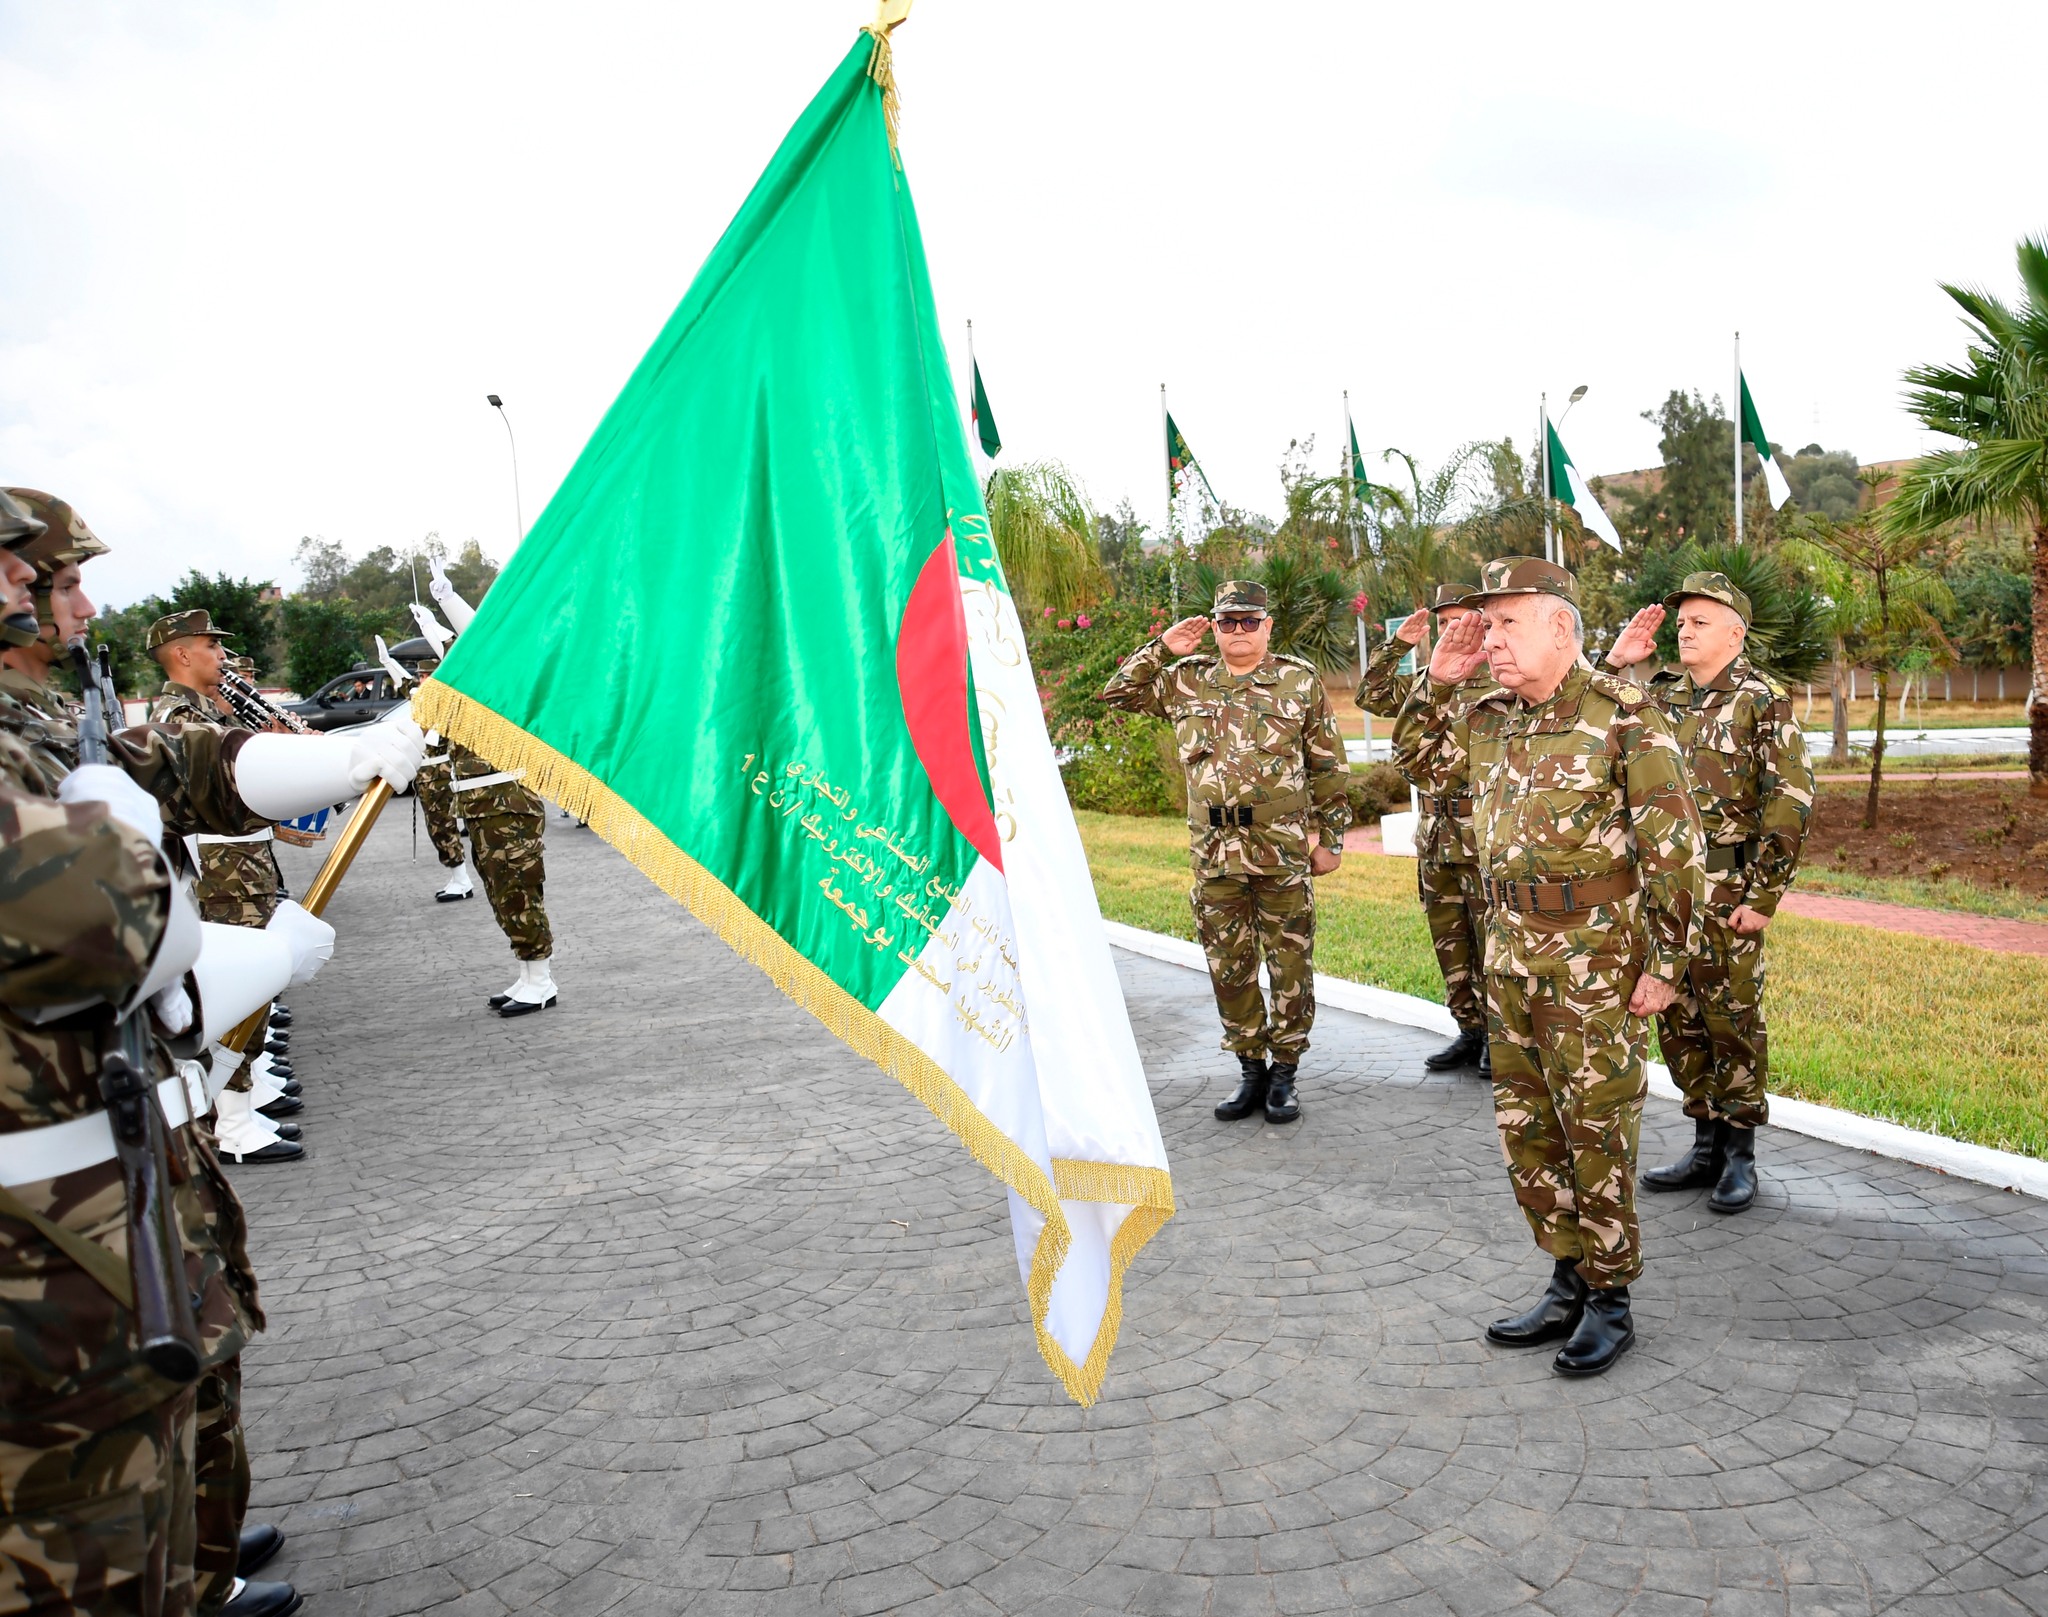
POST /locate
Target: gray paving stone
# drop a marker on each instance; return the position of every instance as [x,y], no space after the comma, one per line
[662,1301]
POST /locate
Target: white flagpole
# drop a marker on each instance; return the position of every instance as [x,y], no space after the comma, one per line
[1351,522]
[1543,441]
[1738,437]
[1172,531]
[972,419]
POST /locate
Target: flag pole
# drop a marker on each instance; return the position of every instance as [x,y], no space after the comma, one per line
[1172,528]
[1543,440]
[1351,523]
[972,420]
[1737,413]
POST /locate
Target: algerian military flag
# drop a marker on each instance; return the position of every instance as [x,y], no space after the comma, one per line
[761,640]
[1753,435]
[1180,458]
[1567,486]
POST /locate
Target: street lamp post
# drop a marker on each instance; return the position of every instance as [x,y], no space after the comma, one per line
[518,512]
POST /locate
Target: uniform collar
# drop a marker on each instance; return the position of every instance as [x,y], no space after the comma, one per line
[1267,673]
[1565,699]
[173,688]
[1728,678]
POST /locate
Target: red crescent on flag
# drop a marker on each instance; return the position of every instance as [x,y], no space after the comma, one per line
[931,674]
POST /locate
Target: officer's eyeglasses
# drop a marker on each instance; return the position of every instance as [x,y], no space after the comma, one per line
[1239,625]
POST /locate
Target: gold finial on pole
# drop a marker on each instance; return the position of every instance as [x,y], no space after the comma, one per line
[888,13]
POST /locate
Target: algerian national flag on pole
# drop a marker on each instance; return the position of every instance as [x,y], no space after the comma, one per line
[1180,458]
[985,418]
[1361,484]
[1753,435]
[761,640]
[1568,486]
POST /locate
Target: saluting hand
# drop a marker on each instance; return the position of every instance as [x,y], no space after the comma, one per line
[1185,635]
[1638,641]
[1415,628]
[1459,649]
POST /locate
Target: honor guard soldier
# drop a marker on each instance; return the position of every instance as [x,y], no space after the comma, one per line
[113,1209]
[58,554]
[1754,788]
[1589,852]
[239,885]
[1446,864]
[1266,778]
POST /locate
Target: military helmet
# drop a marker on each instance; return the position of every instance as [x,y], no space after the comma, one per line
[1241,597]
[1524,575]
[1710,587]
[184,625]
[65,537]
[18,524]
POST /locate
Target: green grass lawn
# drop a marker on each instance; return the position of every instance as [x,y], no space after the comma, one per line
[1937,1036]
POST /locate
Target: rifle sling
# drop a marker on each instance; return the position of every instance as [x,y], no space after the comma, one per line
[108,1271]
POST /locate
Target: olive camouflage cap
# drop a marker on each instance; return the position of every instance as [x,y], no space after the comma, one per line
[1240,596]
[1451,595]
[184,625]
[65,537]
[1710,587]
[1524,575]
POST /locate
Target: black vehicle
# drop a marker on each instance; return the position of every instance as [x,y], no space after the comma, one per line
[356,697]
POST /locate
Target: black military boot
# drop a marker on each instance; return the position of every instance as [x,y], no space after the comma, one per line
[1281,1106]
[1466,1048]
[1736,1187]
[1486,1060]
[1606,1330]
[1556,1312]
[1250,1093]
[1701,1165]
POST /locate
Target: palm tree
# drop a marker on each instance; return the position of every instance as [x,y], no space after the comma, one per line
[1788,635]
[1045,533]
[1994,403]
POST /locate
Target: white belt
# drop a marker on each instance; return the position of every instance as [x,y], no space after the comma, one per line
[206,841]
[33,1155]
[503,777]
[437,758]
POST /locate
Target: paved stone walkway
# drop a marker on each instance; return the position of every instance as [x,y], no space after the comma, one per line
[1980,931]
[662,1302]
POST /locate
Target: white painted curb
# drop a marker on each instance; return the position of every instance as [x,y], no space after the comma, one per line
[2006,1169]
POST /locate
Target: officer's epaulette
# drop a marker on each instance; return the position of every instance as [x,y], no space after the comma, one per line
[1302,663]
[1626,692]
[1666,676]
[1192,659]
[1778,692]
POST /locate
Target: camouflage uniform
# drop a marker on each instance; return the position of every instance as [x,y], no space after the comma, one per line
[1446,864]
[505,823]
[1266,778]
[96,1452]
[239,882]
[1589,847]
[1754,788]
[434,790]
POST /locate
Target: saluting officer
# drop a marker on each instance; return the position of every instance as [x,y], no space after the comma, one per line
[1590,856]
[1754,788]
[1267,809]
[1446,863]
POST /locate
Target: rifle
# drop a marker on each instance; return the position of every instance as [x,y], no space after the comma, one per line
[167,1329]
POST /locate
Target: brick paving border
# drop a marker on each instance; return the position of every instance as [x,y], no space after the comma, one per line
[664,1302]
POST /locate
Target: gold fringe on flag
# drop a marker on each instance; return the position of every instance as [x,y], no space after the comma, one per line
[1147,1191]
[882,66]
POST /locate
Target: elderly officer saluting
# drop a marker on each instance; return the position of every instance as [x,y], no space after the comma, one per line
[1590,856]
[1266,812]
[1446,868]
[1754,788]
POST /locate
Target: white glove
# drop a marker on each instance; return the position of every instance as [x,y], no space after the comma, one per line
[240,970]
[460,612]
[437,633]
[164,984]
[392,666]
[310,939]
[125,801]
[283,777]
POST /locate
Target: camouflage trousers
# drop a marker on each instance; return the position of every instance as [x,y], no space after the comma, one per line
[101,1524]
[1456,912]
[507,849]
[238,883]
[1238,919]
[1713,1035]
[434,792]
[1568,1085]
[220,1484]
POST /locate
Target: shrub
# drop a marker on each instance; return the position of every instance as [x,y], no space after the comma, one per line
[1375,790]
[1122,763]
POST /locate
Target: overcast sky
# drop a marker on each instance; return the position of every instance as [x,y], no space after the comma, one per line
[263,261]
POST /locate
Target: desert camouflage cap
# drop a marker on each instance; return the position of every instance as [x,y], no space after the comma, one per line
[1710,587]
[66,537]
[1451,595]
[1240,596]
[184,625]
[18,524]
[1524,575]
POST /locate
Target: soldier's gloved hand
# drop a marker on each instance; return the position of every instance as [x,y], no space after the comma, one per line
[460,612]
[1652,995]
[124,800]
[433,628]
[283,777]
